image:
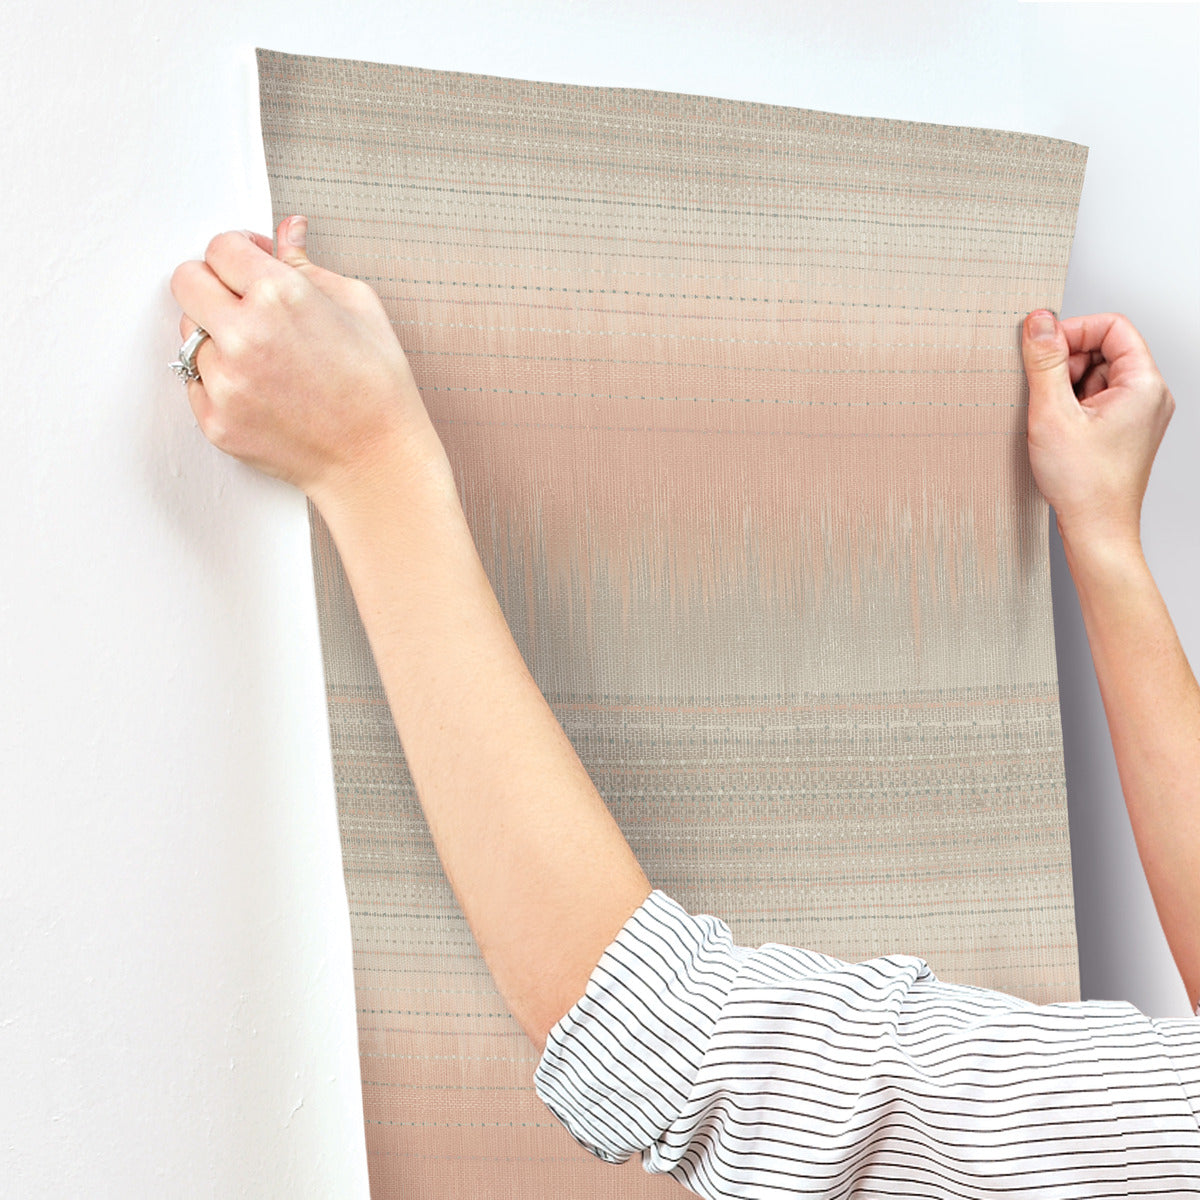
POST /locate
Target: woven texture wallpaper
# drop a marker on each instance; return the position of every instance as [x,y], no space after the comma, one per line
[734,400]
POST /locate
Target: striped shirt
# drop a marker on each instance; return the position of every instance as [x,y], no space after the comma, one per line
[780,1072]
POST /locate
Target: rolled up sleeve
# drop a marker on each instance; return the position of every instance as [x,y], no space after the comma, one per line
[783,1071]
[620,1065]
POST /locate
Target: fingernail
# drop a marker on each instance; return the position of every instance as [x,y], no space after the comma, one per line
[1041,323]
[296,230]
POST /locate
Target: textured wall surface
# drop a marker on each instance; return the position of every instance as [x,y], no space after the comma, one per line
[176,989]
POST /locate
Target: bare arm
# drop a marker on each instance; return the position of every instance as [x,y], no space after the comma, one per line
[1098,411]
[541,871]
[303,379]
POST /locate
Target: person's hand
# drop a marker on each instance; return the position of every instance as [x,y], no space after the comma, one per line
[1098,408]
[302,375]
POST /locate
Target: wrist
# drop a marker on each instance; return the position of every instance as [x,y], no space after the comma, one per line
[405,472]
[1099,537]
[1102,555]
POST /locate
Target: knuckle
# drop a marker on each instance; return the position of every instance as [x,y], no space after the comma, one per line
[277,291]
[214,427]
[207,397]
[258,293]
[1145,376]
[263,292]
[292,288]
[216,243]
[1125,324]
[181,275]
[224,417]
[1040,355]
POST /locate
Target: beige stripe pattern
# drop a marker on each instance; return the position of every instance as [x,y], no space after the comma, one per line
[734,399]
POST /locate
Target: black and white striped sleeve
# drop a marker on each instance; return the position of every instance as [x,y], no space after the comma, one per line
[781,1072]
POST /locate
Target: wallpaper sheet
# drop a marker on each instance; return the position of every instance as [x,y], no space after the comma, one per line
[734,399]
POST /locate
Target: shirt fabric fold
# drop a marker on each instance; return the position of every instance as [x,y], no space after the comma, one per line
[779,1071]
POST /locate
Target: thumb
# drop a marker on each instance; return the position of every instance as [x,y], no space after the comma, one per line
[290,240]
[1046,355]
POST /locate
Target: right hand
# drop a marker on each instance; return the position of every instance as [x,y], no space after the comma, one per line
[1098,409]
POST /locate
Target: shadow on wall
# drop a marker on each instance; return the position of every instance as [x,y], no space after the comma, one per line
[1113,906]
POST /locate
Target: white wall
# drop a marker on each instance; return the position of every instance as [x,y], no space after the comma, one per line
[176,1004]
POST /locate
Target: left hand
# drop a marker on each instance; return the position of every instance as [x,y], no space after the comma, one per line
[1098,409]
[302,375]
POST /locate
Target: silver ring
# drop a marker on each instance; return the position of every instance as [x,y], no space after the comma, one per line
[185,365]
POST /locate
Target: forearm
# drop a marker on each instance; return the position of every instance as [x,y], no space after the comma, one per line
[1153,707]
[541,871]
